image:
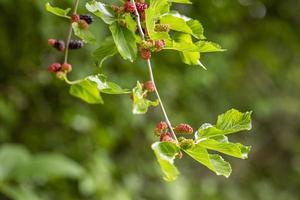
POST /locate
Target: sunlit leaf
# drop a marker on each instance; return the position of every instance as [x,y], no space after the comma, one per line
[230,122]
[101,10]
[87,91]
[212,161]
[140,103]
[206,46]
[58,11]
[233,149]
[165,153]
[180,1]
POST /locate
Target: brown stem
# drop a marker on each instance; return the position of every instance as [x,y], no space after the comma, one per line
[138,20]
[70,33]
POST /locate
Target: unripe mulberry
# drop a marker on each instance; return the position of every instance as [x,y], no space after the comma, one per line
[66,67]
[60,75]
[166,137]
[129,7]
[87,18]
[83,24]
[186,144]
[145,54]
[54,67]
[159,45]
[147,44]
[161,128]
[162,28]
[76,44]
[75,18]
[183,129]
[51,42]
[149,86]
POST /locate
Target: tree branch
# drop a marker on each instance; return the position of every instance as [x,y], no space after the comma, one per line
[70,33]
[138,20]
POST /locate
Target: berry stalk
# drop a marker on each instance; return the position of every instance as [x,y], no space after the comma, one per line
[138,20]
[70,33]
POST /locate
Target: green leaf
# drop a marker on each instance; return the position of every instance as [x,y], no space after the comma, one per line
[107,87]
[233,149]
[102,10]
[214,162]
[106,50]
[87,91]
[197,29]
[125,41]
[176,22]
[156,9]
[206,46]
[84,34]
[230,122]
[140,103]
[182,42]
[180,1]
[165,153]
[58,11]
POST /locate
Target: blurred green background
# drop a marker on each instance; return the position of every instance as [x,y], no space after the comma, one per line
[54,146]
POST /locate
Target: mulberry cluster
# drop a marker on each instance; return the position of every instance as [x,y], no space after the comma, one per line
[129,7]
[60,44]
[149,46]
[83,20]
[60,69]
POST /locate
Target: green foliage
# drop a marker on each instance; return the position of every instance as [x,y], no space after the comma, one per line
[230,122]
[58,11]
[101,10]
[165,153]
[107,49]
[124,40]
[140,103]
[90,89]
[83,34]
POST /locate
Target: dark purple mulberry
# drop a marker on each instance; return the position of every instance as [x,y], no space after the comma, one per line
[87,18]
[59,45]
[76,44]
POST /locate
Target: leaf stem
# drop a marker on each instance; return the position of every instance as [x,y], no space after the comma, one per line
[138,20]
[70,33]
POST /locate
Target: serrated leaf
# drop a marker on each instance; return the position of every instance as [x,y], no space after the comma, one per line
[182,42]
[125,41]
[107,87]
[58,11]
[156,9]
[84,34]
[106,50]
[176,22]
[180,1]
[214,162]
[233,149]
[197,29]
[140,103]
[102,10]
[206,47]
[87,91]
[230,122]
[165,153]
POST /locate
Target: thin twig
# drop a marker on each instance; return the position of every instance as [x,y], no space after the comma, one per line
[138,20]
[70,33]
